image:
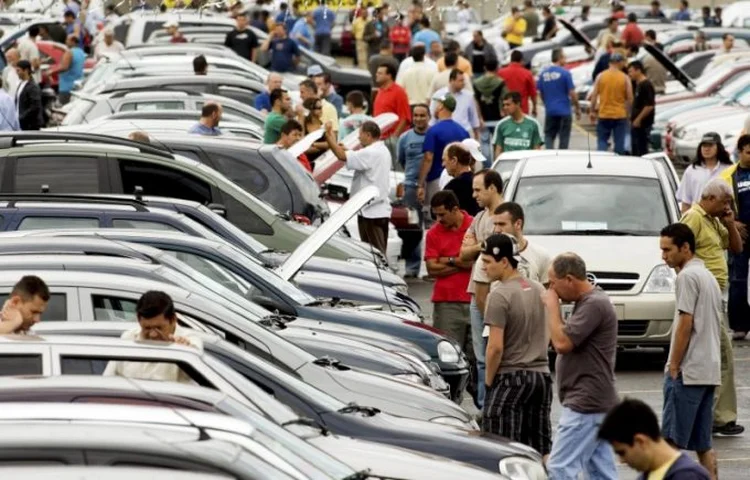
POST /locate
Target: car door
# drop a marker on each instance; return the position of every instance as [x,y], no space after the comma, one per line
[62,305]
[82,173]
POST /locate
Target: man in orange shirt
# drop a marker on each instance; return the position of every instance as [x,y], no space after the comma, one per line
[611,100]
[462,63]
[520,79]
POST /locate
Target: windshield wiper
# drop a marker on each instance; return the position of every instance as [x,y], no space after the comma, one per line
[354,408]
[599,231]
[307,422]
[321,301]
[276,320]
[361,475]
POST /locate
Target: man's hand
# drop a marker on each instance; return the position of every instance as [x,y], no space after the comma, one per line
[533,112]
[728,217]
[578,115]
[674,371]
[11,315]
[637,123]
[420,194]
[179,340]
[592,116]
[550,299]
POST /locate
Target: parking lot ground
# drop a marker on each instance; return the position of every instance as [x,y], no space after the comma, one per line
[640,374]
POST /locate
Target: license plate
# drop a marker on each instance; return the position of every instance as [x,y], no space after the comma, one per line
[567,311]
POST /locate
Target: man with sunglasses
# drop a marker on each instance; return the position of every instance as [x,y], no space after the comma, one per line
[157,321]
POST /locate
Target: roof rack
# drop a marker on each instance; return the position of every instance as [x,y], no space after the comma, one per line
[12,139]
[13,198]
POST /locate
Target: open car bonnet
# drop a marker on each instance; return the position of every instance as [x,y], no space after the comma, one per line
[322,234]
[577,34]
[677,73]
[303,145]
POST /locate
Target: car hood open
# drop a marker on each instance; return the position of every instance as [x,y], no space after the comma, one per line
[677,73]
[577,34]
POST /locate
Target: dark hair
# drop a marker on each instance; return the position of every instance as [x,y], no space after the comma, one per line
[154,303]
[309,84]
[451,46]
[425,22]
[325,76]
[451,59]
[627,419]
[632,17]
[291,126]
[684,3]
[721,155]
[545,9]
[586,9]
[512,208]
[33,31]
[200,64]
[69,13]
[209,109]
[385,44]
[389,69]
[30,286]
[611,20]
[356,98]
[680,235]
[514,97]
[444,198]
[726,35]
[490,65]
[418,53]
[276,94]
[491,177]
[706,9]
[638,65]
[420,105]
[311,102]
[455,73]
[371,128]
[460,152]
[557,54]
[516,56]
[655,3]
[633,49]
[651,34]
[743,142]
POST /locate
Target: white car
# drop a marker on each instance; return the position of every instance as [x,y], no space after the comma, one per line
[609,210]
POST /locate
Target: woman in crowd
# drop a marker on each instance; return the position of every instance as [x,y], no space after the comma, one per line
[710,160]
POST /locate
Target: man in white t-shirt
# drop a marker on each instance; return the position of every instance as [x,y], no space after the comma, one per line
[28,51]
[157,321]
[371,165]
[108,46]
[535,260]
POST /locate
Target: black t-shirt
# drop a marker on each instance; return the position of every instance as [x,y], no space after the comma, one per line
[243,43]
[477,58]
[549,25]
[645,96]
[462,187]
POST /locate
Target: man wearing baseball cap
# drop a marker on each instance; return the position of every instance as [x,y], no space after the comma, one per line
[173,29]
[517,380]
[610,102]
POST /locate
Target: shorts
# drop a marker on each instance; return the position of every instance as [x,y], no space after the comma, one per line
[688,414]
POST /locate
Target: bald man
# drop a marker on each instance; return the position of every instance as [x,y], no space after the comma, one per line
[10,77]
[263,101]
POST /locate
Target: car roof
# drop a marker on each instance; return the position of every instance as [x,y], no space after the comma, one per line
[89,472]
[157,80]
[556,166]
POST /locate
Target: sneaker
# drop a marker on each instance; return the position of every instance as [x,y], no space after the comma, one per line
[731,429]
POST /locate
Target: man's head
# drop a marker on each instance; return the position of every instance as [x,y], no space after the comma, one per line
[355,101]
[515,12]
[636,70]
[445,209]
[71,41]
[291,133]
[612,24]
[281,102]
[418,52]
[456,158]
[436,50]
[279,30]
[29,296]
[512,103]
[743,149]
[487,188]
[308,90]
[241,20]
[445,106]
[632,18]
[369,133]
[420,116]
[12,56]
[567,277]
[211,114]
[172,26]
[655,6]
[683,4]
[546,12]
[451,60]
[616,60]
[490,66]
[677,245]
[508,218]
[709,146]
[500,256]
[323,83]
[727,41]
[528,4]
[139,136]
[585,10]
[385,75]
[516,56]
[23,69]
[632,429]
[456,80]
[424,22]
[386,47]
[109,36]
[706,11]
[558,57]
[700,37]
[69,16]
[274,81]
[478,37]
[156,316]
[716,198]
[200,65]
[310,18]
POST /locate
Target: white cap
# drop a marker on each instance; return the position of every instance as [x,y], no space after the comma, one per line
[171,23]
[475,151]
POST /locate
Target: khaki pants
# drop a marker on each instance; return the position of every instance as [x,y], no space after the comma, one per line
[453,319]
[361,46]
[725,396]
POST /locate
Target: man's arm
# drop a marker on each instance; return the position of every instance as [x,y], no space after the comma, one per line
[440,267]
[594,98]
[266,43]
[629,94]
[423,171]
[337,149]
[561,342]
[735,240]
[494,354]
[470,247]
[481,290]
[65,62]
[680,344]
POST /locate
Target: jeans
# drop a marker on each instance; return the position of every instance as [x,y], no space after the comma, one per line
[323,43]
[485,140]
[639,139]
[617,128]
[480,348]
[577,448]
[411,250]
[554,126]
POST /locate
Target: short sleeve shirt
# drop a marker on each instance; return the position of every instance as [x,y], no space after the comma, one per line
[437,137]
[272,127]
[645,96]
[535,263]
[555,84]
[330,114]
[698,295]
[694,179]
[242,42]
[441,242]
[711,242]
[481,228]
[282,53]
[586,375]
[512,135]
[371,166]
[462,187]
[516,306]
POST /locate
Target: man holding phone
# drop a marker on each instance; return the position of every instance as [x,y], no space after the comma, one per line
[284,51]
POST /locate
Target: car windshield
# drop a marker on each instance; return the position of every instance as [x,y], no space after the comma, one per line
[573,205]
[713,74]
[99,75]
[743,99]
[735,85]
[77,111]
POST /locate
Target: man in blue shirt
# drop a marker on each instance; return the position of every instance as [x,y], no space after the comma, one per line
[445,131]
[302,32]
[263,101]
[683,14]
[425,34]
[324,18]
[8,113]
[284,50]
[209,121]
[410,156]
[555,85]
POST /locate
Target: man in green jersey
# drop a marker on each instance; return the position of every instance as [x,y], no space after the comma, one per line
[281,103]
[516,131]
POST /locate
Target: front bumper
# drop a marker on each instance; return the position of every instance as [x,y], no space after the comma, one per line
[644,320]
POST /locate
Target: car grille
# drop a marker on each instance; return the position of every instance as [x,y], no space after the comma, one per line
[632,328]
[615,281]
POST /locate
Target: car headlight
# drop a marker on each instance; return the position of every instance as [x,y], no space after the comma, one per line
[411,377]
[447,352]
[402,289]
[520,468]
[661,280]
[455,422]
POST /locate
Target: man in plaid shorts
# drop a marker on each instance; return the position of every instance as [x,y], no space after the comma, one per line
[519,386]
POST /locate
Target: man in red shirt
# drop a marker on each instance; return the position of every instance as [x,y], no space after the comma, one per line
[632,35]
[391,98]
[520,79]
[442,256]
[400,37]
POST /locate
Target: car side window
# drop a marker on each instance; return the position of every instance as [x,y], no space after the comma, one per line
[14,364]
[256,176]
[151,106]
[57,307]
[97,364]
[51,223]
[244,218]
[114,309]
[62,174]
[239,94]
[163,182]
[142,225]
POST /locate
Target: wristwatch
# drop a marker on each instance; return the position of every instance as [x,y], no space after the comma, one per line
[451,261]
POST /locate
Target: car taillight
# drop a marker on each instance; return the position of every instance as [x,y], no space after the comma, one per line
[301,219]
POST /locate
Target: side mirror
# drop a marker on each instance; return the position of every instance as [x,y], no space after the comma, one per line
[271,304]
[218,208]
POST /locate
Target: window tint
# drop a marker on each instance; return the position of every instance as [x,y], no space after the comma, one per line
[107,308]
[39,223]
[244,218]
[142,224]
[256,176]
[11,365]
[62,174]
[57,307]
[216,273]
[191,154]
[239,113]
[164,182]
[151,106]
[239,94]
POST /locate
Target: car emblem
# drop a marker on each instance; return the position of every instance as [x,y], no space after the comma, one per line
[591,278]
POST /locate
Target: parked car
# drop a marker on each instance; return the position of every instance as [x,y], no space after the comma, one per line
[688,128]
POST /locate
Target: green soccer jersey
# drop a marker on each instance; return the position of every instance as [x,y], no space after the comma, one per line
[272,127]
[512,135]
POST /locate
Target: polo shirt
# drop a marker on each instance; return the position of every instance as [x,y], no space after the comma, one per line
[465,114]
[416,82]
[632,35]
[272,127]
[324,18]
[442,242]
[437,137]
[330,114]
[519,79]
[519,30]
[371,166]
[694,179]
[711,242]
[282,53]
[392,99]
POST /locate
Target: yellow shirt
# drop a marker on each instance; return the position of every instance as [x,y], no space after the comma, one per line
[462,64]
[330,115]
[519,28]
[358,28]
[659,473]
[170,4]
[711,242]
[613,94]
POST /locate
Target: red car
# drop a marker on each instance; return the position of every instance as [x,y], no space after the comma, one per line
[51,54]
